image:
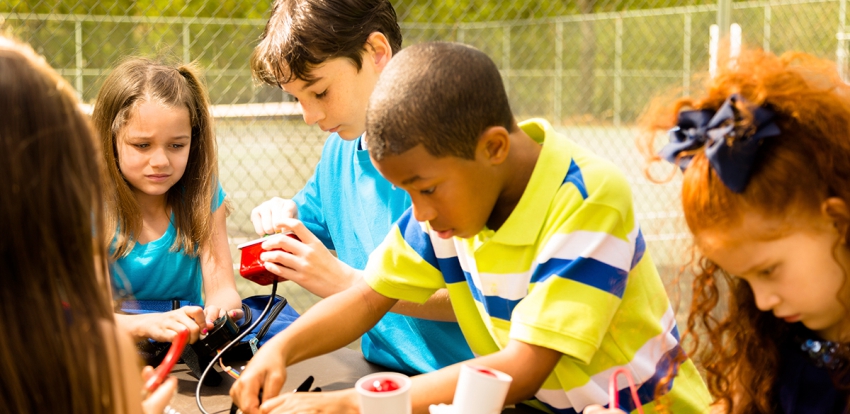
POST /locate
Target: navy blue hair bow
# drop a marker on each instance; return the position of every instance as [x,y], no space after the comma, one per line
[731,157]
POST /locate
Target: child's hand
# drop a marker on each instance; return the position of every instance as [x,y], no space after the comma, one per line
[307,262]
[163,327]
[314,402]
[213,312]
[266,371]
[156,402]
[267,217]
[598,409]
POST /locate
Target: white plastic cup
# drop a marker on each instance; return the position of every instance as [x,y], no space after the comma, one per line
[375,399]
[480,390]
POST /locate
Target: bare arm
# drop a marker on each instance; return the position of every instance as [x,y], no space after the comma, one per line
[437,308]
[217,269]
[329,325]
[529,365]
[312,266]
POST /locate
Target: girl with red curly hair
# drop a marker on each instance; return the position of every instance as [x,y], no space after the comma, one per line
[766,194]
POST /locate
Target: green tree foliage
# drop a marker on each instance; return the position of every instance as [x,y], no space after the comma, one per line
[559,58]
[152,8]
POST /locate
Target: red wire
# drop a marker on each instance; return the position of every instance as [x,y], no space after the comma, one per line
[168,362]
[613,394]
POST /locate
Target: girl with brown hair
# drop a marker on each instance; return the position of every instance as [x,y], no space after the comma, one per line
[60,350]
[165,213]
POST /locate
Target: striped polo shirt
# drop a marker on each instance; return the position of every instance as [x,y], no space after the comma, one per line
[568,271]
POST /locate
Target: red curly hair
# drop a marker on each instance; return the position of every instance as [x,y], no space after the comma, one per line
[735,342]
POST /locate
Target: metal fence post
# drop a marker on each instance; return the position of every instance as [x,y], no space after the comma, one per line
[618,70]
[686,56]
[506,57]
[766,41]
[559,72]
[186,43]
[724,16]
[841,51]
[78,43]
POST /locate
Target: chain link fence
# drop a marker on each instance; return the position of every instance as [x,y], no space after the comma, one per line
[588,66]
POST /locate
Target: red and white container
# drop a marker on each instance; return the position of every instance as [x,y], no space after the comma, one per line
[252,268]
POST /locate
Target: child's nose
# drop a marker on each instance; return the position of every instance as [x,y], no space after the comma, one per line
[765,299]
[311,113]
[422,212]
[159,158]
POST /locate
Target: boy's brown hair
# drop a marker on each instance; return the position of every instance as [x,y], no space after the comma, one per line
[302,34]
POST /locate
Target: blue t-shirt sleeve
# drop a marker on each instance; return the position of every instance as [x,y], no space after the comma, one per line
[218,198]
[310,212]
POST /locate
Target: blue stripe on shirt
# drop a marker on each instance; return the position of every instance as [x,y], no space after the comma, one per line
[640,248]
[584,270]
[451,270]
[574,176]
[416,238]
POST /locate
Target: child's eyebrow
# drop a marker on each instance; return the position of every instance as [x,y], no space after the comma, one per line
[411,180]
[759,265]
[311,82]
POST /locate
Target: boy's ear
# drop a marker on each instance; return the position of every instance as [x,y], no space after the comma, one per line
[494,144]
[836,210]
[379,50]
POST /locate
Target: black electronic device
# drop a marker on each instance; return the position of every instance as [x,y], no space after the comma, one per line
[223,332]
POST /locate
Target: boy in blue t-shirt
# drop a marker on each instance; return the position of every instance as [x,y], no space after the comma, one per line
[346,205]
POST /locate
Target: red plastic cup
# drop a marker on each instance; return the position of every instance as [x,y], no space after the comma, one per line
[252,268]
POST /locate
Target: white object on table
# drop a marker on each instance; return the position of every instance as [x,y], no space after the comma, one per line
[441,409]
[480,390]
[374,400]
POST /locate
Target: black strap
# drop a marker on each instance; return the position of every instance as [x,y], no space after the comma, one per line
[247,318]
[197,362]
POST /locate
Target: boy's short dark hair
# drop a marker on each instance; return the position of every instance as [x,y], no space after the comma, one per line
[302,34]
[441,95]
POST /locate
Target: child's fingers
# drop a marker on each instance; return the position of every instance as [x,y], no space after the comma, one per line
[191,318]
[164,327]
[273,383]
[282,271]
[281,212]
[245,392]
[300,230]
[158,400]
[282,257]
[195,313]
[268,222]
[147,372]
[263,216]
[211,313]
[257,219]
[598,409]
[284,242]
[236,314]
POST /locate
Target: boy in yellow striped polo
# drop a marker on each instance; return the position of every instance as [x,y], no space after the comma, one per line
[534,237]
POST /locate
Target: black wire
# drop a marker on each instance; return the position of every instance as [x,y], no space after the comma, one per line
[236,340]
